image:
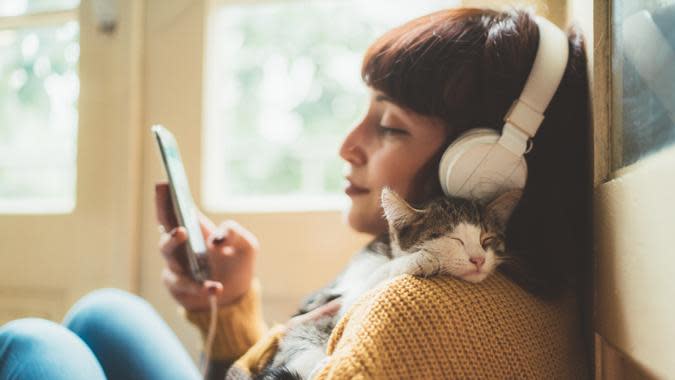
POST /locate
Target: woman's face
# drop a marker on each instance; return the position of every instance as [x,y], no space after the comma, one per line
[388,147]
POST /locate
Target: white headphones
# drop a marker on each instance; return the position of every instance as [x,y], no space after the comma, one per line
[481,163]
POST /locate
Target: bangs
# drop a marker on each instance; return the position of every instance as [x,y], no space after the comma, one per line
[435,65]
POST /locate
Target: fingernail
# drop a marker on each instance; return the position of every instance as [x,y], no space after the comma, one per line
[219,239]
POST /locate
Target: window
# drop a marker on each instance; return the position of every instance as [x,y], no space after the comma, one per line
[643,65]
[39,87]
[283,87]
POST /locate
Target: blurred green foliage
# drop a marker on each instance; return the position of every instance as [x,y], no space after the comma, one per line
[287,88]
[39,88]
[20,7]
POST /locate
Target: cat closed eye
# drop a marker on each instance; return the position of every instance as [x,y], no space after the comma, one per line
[435,235]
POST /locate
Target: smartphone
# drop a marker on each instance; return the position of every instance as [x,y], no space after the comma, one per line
[183,203]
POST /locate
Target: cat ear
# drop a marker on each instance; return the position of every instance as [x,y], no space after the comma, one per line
[397,211]
[502,207]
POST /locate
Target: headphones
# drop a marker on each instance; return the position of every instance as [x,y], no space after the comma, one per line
[481,162]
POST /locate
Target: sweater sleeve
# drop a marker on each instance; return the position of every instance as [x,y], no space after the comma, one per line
[238,328]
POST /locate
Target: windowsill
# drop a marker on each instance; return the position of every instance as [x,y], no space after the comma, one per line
[36,206]
[278,204]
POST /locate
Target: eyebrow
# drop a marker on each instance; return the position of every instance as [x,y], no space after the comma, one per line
[403,113]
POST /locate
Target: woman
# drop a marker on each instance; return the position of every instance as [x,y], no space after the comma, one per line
[430,80]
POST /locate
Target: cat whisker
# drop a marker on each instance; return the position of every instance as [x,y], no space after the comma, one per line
[503,258]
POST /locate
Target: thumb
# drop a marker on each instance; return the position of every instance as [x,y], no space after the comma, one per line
[213,287]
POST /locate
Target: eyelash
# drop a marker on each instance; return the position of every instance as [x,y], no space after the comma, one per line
[391,131]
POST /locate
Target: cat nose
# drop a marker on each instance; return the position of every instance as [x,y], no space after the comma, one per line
[478,261]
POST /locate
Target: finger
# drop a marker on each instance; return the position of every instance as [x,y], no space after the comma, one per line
[172,243]
[187,292]
[175,266]
[331,307]
[216,241]
[180,285]
[166,216]
[220,234]
[328,309]
[213,287]
[231,233]
[173,248]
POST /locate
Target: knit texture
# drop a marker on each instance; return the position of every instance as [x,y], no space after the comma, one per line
[239,325]
[444,328]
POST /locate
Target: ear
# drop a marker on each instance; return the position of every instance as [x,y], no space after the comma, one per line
[397,211]
[502,207]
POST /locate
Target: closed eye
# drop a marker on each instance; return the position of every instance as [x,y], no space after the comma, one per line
[459,240]
[490,241]
[383,130]
[435,235]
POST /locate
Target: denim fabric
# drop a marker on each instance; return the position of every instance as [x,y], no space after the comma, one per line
[108,334]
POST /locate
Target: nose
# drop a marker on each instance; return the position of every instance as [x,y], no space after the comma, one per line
[478,261]
[351,149]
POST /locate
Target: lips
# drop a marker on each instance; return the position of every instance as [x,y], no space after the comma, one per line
[353,189]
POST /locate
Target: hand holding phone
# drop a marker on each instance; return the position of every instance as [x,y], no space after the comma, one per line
[185,212]
[231,251]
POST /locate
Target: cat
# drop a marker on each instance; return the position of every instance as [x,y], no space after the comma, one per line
[448,236]
[301,348]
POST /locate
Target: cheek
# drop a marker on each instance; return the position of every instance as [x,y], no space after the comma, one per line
[452,253]
[393,171]
[491,259]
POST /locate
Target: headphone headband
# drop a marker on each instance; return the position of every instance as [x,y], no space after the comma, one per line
[483,164]
[527,112]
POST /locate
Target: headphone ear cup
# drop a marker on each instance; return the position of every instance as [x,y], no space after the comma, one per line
[454,151]
[463,173]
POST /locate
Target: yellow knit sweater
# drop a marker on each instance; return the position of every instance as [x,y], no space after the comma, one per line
[435,328]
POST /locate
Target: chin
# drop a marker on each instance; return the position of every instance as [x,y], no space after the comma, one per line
[363,223]
[474,277]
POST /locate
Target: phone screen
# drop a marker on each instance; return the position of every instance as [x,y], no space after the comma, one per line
[186,212]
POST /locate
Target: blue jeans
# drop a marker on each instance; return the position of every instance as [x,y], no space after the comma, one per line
[108,334]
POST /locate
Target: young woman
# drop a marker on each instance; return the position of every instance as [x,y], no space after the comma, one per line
[430,80]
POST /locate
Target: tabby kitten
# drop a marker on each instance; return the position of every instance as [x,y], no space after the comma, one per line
[448,236]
